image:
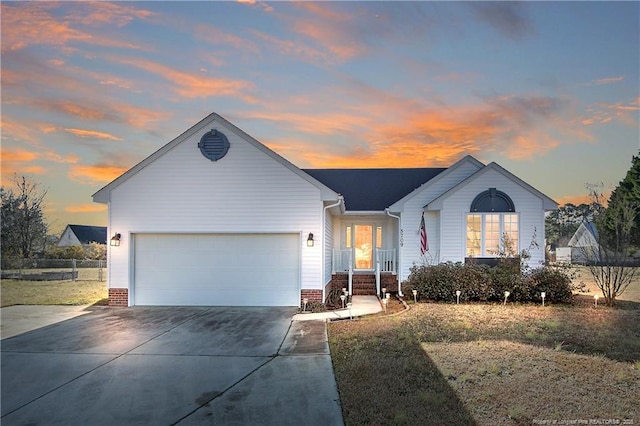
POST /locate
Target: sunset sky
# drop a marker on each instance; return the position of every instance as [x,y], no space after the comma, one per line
[548,90]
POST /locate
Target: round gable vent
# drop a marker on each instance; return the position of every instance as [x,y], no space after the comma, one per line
[214,145]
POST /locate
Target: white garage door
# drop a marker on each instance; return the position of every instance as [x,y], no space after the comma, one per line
[217,269]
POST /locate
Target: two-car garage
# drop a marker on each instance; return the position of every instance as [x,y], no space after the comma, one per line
[216,269]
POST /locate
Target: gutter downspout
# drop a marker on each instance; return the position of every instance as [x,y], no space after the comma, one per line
[399,271]
[324,242]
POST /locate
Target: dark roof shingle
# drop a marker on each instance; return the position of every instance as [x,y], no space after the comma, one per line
[373,189]
[88,234]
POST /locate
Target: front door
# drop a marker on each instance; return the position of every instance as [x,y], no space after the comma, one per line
[363,246]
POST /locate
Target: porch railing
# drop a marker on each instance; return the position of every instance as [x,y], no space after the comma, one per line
[343,261]
[387,260]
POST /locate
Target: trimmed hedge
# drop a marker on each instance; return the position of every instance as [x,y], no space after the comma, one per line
[484,283]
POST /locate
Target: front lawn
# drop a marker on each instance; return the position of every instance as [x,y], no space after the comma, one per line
[22,292]
[489,364]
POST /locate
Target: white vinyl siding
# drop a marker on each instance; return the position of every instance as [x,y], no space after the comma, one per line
[247,191]
[412,214]
[328,246]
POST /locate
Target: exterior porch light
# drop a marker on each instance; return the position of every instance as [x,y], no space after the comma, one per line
[310,240]
[115,240]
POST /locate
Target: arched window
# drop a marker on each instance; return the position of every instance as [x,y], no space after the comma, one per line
[492,200]
[492,226]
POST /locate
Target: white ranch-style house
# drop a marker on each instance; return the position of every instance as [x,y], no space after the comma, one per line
[215,218]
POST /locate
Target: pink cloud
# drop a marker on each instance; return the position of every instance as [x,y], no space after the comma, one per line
[23,161]
[96,173]
[91,134]
[31,23]
[214,35]
[85,208]
[606,80]
[193,85]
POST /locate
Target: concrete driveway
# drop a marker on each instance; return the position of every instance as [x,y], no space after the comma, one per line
[171,365]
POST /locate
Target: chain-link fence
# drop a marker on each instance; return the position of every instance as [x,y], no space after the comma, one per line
[54,269]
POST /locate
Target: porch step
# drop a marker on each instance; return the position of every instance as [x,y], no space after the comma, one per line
[363,284]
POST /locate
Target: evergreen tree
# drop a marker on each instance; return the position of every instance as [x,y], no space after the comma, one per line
[625,199]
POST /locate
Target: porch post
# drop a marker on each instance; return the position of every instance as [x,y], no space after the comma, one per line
[378,277]
[399,269]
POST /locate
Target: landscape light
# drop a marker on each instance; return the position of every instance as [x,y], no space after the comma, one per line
[415,295]
[506,295]
[595,298]
[458,297]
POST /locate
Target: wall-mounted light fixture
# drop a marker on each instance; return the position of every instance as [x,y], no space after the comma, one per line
[310,240]
[115,240]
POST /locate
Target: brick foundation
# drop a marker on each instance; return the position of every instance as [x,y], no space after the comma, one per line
[312,295]
[118,297]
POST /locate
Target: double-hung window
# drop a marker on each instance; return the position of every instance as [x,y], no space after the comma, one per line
[492,226]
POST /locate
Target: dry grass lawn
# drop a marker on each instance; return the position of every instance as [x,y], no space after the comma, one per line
[489,364]
[20,292]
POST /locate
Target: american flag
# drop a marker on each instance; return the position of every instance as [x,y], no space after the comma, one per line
[424,243]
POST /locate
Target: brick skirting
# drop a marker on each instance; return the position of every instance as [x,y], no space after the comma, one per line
[118,297]
[312,295]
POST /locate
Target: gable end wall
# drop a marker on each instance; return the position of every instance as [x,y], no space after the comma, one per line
[246,191]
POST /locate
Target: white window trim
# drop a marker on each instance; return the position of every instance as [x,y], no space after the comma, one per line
[483,249]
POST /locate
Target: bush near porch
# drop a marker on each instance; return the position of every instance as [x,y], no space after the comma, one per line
[483,283]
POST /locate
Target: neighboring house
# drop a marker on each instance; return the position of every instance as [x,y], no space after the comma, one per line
[214,217]
[583,245]
[82,235]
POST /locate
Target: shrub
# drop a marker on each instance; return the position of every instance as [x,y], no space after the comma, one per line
[440,282]
[483,283]
[554,282]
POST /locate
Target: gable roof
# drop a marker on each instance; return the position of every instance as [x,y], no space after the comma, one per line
[373,189]
[103,195]
[466,160]
[586,235]
[89,234]
[547,203]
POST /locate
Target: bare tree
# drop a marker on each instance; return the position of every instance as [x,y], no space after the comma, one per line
[23,225]
[610,263]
